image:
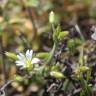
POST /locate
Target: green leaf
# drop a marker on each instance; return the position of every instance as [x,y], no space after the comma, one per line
[67,86]
[62,35]
[56,34]
[71,45]
[78,42]
[54,68]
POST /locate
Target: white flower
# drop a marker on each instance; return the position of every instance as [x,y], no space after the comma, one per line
[93,36]
[26,60]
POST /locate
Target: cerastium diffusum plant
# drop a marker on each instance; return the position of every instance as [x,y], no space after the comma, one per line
[60,75]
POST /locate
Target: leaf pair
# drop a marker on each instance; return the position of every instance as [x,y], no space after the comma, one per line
[59,35]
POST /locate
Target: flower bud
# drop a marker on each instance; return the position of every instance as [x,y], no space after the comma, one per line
[52,17]
[84,68]
[11,55]
[56,74]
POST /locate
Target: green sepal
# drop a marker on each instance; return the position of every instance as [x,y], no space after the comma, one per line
[11,55]
[42,55]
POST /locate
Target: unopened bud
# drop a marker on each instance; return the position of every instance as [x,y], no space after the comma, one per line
[56,74]
[52,17]
[11,55]
[84,68]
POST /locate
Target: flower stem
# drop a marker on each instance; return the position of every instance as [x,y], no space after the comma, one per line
[51,54]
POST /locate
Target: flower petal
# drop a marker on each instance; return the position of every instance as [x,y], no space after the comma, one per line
[93,36]
[19,57]
[29,54]
[35,60]
[22,55]
[19,63]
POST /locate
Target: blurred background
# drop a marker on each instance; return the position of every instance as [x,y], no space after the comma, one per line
[24,24]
